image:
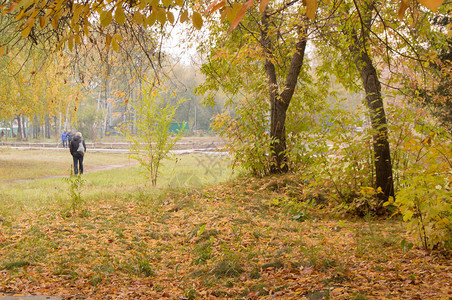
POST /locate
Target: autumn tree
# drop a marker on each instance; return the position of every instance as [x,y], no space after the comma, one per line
[112,73]
[272,42]
[72,23]
[431,85]
[367,40]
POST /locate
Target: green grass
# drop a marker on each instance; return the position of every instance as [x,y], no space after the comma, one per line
[20,195]
[31,164]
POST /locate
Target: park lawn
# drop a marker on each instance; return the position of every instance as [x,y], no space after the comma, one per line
[106,175]
[31,164]
[243,238]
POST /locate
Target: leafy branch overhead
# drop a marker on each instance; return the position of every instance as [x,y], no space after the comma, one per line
[73,20]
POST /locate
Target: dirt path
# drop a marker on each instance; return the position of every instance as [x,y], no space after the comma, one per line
[91,169]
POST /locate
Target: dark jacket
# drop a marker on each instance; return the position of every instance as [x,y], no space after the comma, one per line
[69,136]
[73,145]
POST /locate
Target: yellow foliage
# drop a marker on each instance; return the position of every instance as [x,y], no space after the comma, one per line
[431,4]
[184,16]
[197,20]
[105,18]
[311,7]
[120,17]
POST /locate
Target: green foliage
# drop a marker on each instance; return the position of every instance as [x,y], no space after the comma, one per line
[149,135]
[236,67]
[76,183]
[227,268]
[15,264]
[247,136]
[425,203]
[335,156]
[423,171]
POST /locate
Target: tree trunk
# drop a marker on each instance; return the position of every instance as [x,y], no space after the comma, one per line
[25,128]
[384,183]
[19,128]
[57,130]
[47,128]
[278,136]
[36,128]
[279,102]
[382,153]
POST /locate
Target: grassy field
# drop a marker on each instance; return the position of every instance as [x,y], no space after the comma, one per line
[239,238]
[31,178]
[32,164]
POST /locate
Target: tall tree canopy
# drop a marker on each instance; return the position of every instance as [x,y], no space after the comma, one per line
[70,21]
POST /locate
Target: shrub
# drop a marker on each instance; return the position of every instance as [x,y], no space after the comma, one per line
[149,134]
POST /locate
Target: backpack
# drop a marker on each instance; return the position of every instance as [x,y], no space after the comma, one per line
[81,149]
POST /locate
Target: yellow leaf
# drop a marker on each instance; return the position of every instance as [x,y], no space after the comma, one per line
[70,43]
[77,39]
[262,5]
[225,13]
[150,20]
[197,20]
[42,21]
[105,18]
[31,22]
[87,11]
[311,8]
[11,8]
[2,50]
[167,3]
[241,14]
[115,45]
[120,17]
[26,3]
[179,2]
[431,4]
[215,6]
[142,4]
[35,13]
[231,13]
[161,16]
[20,15]
[108,40]
[138,18]
[154,3]
[59,45]
[184,16]
[26,31]
[77,10]
[118,37]
[170,17]
[402,8]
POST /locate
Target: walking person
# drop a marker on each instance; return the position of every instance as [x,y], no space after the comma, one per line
[64,138]
[69,136]
[77,152]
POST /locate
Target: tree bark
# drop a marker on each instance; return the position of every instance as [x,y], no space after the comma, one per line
[279,102]
[372,86]
[19,128]
[48,127]
[36,128]
[382,153]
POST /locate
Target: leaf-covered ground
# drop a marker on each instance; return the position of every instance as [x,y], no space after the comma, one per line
[246,239]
